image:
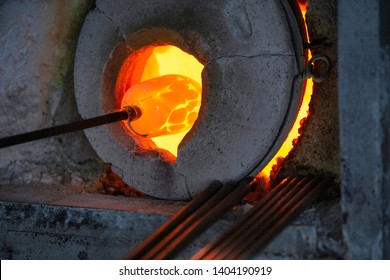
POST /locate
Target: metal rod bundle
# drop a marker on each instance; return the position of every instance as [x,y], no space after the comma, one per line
[174,221]
[265,220]
[192,220]
[130,113]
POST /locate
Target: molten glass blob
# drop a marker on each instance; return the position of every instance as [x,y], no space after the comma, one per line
[169,105]
[171,78]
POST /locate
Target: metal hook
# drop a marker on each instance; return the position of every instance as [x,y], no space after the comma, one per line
[310,73]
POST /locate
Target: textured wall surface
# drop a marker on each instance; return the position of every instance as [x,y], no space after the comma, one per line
[71,225]
[317,149]
[364,87]
[250,64]
[36,67]
[38,40]
[94,226]
[384,8]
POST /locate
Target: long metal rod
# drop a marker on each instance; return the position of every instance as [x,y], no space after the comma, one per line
[210,250]
[156,251]
[276,213]
[290,211]
[265,219]
[192,220]
[260,212]
[207,220]
[174,221]
[131,113]
[262,218]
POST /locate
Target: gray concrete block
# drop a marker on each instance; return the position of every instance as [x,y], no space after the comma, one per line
[38,40]
[364,99]
[65,223]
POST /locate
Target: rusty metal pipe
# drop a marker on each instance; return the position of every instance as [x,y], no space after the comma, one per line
[130,112]
[263,217]
[213,248]
[197,227]
[186,223]
[175,221]
[290,211]
[276,213]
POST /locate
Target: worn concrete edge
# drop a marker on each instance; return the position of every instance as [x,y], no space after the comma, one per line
[70,197]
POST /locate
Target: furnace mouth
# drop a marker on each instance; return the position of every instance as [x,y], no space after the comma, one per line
[166,83]
[159,62]
[249,98]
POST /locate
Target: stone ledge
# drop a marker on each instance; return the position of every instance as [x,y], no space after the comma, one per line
[58,222]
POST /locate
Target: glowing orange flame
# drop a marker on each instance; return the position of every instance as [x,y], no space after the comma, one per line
[166,84]
[303,7]
[303,113]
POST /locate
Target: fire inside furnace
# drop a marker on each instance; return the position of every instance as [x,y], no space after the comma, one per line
[166,84]
[302,115]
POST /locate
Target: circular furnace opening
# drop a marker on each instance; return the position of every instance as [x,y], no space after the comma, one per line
[251,88]
[166,84]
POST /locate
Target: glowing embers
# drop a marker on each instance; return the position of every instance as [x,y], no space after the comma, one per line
[166,84]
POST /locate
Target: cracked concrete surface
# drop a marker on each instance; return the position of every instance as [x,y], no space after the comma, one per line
[111,20]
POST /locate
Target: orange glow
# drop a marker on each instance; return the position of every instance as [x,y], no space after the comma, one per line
[166,84]
[169,105]
[303,8]
[302,114]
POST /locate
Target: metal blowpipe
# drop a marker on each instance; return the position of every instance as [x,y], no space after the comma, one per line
[129,113]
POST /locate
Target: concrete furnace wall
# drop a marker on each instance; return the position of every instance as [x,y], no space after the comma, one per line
[317,149]
[38,40]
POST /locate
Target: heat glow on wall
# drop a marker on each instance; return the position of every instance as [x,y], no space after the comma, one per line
[166,84]
[302,115]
